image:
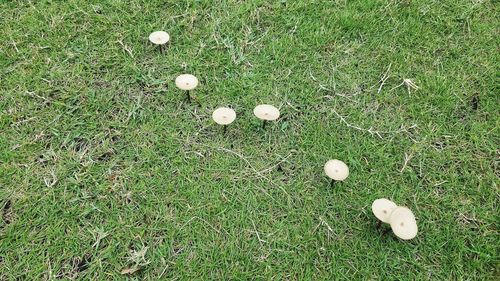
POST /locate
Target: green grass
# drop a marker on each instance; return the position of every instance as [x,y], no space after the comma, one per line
[104,166]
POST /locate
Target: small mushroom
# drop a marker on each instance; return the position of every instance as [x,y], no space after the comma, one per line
[224,116]
[403,223]
[159,38]
[266,112]
[336,170]
[382,209]
[186,82]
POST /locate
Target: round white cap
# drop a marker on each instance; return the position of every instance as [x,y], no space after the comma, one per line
[336,170]
[266,112]
[382,209]
[186,82]
[224,116]
[403,223]
[159,37]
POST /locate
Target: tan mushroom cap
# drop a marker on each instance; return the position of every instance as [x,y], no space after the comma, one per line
[224,116]
[186,82]
[159,37]
[336,170]
[403,223]
[266,112]
[382,208]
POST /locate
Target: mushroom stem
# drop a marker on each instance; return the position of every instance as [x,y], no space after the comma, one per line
[264,124]
[379,224]
[225,129]
[161,48]
[386,231]
[332,182]
[188,97]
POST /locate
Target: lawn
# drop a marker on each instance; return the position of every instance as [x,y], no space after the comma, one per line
[107,172]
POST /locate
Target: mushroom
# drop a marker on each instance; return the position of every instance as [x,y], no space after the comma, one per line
[266,112]
[336,170]
[403,223]
[159,38]
[224,116]
[186,82]
[382,209]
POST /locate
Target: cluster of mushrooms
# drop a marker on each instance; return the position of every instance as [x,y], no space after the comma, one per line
[223,115]
[401,219]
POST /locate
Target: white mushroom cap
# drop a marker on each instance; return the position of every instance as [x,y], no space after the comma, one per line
[336,170]
[403,223]
[186,82]
[224,116]
[382,209]
[266,112]
[159,37]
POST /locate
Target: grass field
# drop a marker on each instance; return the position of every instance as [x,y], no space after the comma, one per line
[104,167]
